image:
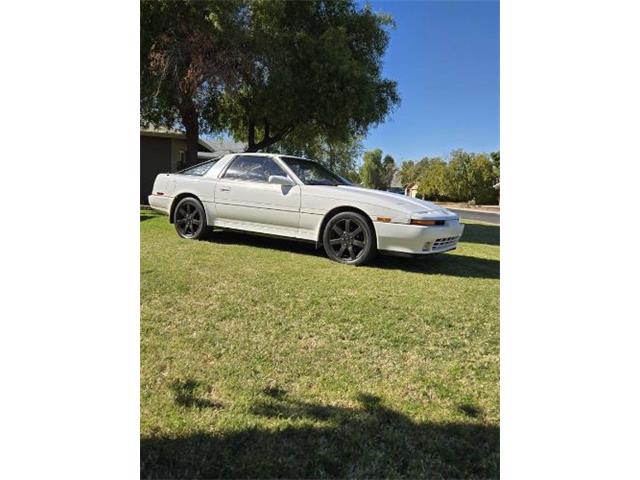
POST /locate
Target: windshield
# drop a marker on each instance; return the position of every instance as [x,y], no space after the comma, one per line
[313,173]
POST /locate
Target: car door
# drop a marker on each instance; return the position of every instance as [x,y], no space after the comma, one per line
[246,200]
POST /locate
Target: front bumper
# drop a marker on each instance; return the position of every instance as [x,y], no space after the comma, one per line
[418,240]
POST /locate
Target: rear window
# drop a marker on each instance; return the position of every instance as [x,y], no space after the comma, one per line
[200,169]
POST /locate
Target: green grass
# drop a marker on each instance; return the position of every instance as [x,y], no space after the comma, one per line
[262,358]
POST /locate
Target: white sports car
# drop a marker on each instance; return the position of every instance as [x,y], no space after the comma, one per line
[294,197]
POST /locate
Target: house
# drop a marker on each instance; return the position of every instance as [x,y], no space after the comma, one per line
[165,150]
[411,189]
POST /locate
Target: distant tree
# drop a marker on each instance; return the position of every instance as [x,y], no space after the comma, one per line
[316,74]
[471,177]
[409,172]
[339,156]
[188,53]
[389,166]
[495,160]
[459,185]
[482,179]
[432,183]
[372,173]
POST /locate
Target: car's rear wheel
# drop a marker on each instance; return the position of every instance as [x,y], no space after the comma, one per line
[348,238]
[189,219]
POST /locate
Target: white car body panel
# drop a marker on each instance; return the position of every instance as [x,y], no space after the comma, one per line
[298,210]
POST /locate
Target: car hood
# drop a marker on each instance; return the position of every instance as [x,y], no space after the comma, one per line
[393,201]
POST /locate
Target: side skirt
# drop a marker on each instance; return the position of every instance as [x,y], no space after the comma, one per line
[266,235]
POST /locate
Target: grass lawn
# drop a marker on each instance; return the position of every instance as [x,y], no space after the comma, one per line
[262,358]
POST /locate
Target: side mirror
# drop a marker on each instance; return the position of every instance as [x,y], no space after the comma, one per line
[280,180]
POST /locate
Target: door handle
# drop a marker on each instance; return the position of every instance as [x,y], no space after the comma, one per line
[225,189]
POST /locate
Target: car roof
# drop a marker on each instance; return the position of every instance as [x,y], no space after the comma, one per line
[263,154]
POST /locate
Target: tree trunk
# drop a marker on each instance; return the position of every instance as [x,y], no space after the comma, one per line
[267,140]
[190,122]
[251,137]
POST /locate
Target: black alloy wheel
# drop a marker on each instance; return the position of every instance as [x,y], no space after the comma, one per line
[348,238]
[189,219]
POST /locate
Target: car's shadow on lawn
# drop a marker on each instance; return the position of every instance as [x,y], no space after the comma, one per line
[441,264]
[329,442]
[481,233]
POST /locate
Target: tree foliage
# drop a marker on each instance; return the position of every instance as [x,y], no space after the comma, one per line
[465,177]
[389,166]
[409,172]
[188,54]
[306,75]
[372,172]
[433,181]
[338,156]
[315,73]
[375,171]
[495,160]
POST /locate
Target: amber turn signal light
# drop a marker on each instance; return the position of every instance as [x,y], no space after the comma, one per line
[423,222]
[383,219]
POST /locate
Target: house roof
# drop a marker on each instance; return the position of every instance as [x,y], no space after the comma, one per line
[223,146]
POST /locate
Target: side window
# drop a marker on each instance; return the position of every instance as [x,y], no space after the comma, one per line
[253,169]
[198,170]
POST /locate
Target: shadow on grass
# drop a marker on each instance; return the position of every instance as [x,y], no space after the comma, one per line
[146,217]
[186,395]
[485,234]
[441,264]
[330,442]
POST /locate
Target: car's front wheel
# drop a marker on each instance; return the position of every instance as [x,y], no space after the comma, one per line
[348,238]
[189,219]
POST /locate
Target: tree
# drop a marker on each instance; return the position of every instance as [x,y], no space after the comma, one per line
[495,160]
[315,74]
[471,177]
[409,172]
[338,156]
[482,179]
[372,173]
[389,166]
[458,180]
[432,183]
[188,53]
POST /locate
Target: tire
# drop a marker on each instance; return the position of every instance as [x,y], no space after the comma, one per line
[349,238]
[190,220]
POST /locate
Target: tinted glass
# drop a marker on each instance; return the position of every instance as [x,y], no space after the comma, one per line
[199,169]
[313,173]
[253,169]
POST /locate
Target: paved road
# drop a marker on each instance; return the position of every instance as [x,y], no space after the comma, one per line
[488,217]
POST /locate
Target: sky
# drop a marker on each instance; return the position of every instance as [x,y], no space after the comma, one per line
[445,56]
